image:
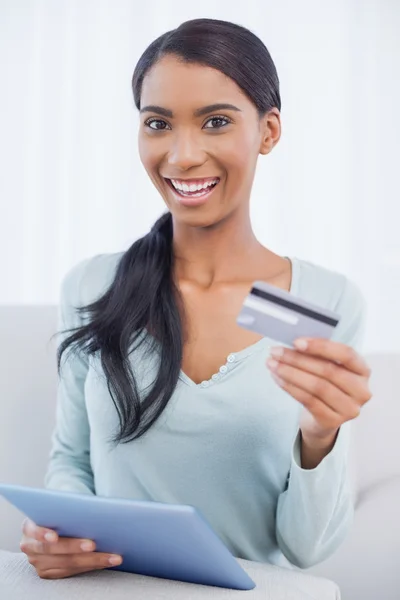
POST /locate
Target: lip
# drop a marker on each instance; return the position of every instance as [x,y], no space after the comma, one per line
[187,200]
[193,179]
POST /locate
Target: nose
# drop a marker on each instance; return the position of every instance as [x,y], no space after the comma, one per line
[186,152]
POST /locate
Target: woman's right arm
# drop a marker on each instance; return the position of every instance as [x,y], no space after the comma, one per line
[69,467]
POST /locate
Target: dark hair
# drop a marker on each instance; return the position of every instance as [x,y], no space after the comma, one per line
[143,296]
[227,47]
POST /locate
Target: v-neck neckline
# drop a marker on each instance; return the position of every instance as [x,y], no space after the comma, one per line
[234,357]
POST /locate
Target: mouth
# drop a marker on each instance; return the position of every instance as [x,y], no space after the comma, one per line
[192,192]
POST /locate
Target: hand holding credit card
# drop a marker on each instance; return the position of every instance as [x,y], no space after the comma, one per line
[328,377]
[279,315]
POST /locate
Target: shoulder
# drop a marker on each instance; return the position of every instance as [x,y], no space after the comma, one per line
[88,279]
[334,290]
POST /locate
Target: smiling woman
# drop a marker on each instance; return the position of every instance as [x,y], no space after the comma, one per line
[163,396]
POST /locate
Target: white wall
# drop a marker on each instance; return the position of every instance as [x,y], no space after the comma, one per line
[71,182]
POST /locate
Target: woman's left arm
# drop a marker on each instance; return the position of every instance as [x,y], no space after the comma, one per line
[331,380]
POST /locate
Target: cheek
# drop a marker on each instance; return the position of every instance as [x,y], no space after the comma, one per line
[239,152]
[149,153]
[239,160]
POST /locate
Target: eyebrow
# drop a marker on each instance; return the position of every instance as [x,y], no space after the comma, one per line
[197,113]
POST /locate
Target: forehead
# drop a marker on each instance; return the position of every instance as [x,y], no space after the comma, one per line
[176,85]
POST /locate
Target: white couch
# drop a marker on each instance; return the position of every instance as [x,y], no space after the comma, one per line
[366,567]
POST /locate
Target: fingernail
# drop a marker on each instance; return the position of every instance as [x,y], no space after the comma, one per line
[87,546]
[50,537]
[300,344]
[277,351]
[115,560]
[272,363]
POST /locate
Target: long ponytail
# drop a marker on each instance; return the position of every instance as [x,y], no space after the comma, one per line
[141,297]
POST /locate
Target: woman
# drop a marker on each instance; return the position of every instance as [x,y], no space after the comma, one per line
[163,397]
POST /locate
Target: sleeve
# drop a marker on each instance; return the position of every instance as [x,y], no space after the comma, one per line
[316,510]
[69,467]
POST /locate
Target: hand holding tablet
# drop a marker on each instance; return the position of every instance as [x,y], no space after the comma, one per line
[57,557]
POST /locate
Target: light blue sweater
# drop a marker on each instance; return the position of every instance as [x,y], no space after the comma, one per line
[230,446]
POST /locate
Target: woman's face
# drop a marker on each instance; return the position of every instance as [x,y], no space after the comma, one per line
[199,140]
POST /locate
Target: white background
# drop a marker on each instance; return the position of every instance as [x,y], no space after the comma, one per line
[71,182]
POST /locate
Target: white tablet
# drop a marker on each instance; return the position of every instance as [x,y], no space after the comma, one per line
[161,540]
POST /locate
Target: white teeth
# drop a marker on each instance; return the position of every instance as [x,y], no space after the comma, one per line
[184,187]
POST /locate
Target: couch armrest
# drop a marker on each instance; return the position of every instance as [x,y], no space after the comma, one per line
[367,565]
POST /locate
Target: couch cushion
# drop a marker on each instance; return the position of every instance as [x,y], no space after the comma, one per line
[18,579]
[375,441]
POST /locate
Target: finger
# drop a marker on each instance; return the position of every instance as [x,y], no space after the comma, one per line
[341,353]
[63,546]
[347,381]
[75,562]
[64,573]
[323,414]
[316,388]
[31,530]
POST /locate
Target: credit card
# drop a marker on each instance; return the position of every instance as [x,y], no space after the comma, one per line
[281,316]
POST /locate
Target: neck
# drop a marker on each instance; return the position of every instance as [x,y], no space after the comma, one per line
[217,253]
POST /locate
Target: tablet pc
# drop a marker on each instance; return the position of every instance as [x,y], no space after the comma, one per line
[171,541]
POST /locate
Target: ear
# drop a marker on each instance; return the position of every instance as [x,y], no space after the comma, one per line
[270,127]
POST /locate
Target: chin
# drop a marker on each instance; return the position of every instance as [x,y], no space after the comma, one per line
[197,218]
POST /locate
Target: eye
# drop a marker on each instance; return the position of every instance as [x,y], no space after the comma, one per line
[160,125]
[219,122]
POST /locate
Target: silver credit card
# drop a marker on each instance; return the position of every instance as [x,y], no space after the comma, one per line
[281,316]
